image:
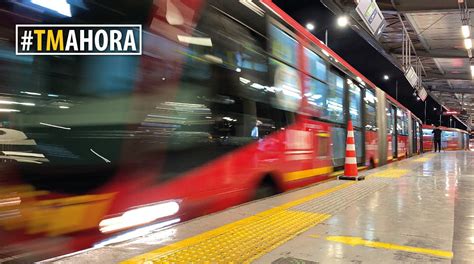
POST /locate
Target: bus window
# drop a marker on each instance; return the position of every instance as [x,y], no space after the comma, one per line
[338,137]
[316,95]
[286,86]
[335,98]
[402,122]
[283,46]
[390,119]
[277,119]
[359,145]
[315,65]
[219,93]
[405,123]
[370,110]
[354,104]
[427,132]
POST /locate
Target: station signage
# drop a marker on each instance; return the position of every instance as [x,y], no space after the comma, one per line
[422,93]
[450,113]
[412,77]
[373,18]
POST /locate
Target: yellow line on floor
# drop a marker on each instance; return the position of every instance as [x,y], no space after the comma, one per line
[242,241]
[358,241]
[424,158]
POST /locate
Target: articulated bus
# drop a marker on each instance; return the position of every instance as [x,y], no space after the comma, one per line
[451,138]
[230,101]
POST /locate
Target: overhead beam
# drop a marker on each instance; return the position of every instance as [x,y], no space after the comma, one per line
[409,6]
[449,76]
[442,54]
[458,91]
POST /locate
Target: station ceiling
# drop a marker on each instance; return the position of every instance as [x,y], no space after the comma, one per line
[434,27]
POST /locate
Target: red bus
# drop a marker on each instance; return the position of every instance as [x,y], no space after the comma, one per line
[451,138]
[230,101]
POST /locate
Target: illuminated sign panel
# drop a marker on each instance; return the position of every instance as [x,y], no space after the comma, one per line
[412,77]
[422,93]
[451,113]
[370,13]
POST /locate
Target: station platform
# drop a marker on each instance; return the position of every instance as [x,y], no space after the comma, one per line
[418,210]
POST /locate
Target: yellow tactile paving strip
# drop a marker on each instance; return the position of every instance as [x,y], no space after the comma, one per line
[425,157]
[244,240]
[389,173]
[241,243]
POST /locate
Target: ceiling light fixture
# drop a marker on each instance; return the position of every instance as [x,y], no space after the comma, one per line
[342,21]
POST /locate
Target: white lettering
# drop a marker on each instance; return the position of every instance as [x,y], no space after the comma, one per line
[87,39]
[129,41]
[71,41]
[115,38]
[105,40]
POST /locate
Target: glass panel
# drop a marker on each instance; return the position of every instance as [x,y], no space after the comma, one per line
[402,122]
[359,145]
[279,118]
[335,98]
[316,95]
[427,132]
[370,110]
[338,136]
[400,126]
[354,105]
[286,86]
[315,65]
[390,119]
[406,123]
[283,46]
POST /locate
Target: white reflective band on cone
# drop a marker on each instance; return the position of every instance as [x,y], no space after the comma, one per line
[351,160]
[351,147]
[350,134]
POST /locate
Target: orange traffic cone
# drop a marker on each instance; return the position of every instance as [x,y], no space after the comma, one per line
[350,166]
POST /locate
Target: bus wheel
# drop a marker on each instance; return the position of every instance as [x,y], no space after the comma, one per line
[266,188]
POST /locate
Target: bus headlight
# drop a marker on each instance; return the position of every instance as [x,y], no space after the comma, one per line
[139,216]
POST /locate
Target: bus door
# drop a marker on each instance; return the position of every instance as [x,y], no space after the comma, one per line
[393,110]
[415,136]
[420,133]
[391,132]
[355,113]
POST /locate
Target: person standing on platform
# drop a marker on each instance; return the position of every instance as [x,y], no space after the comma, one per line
[437,139]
